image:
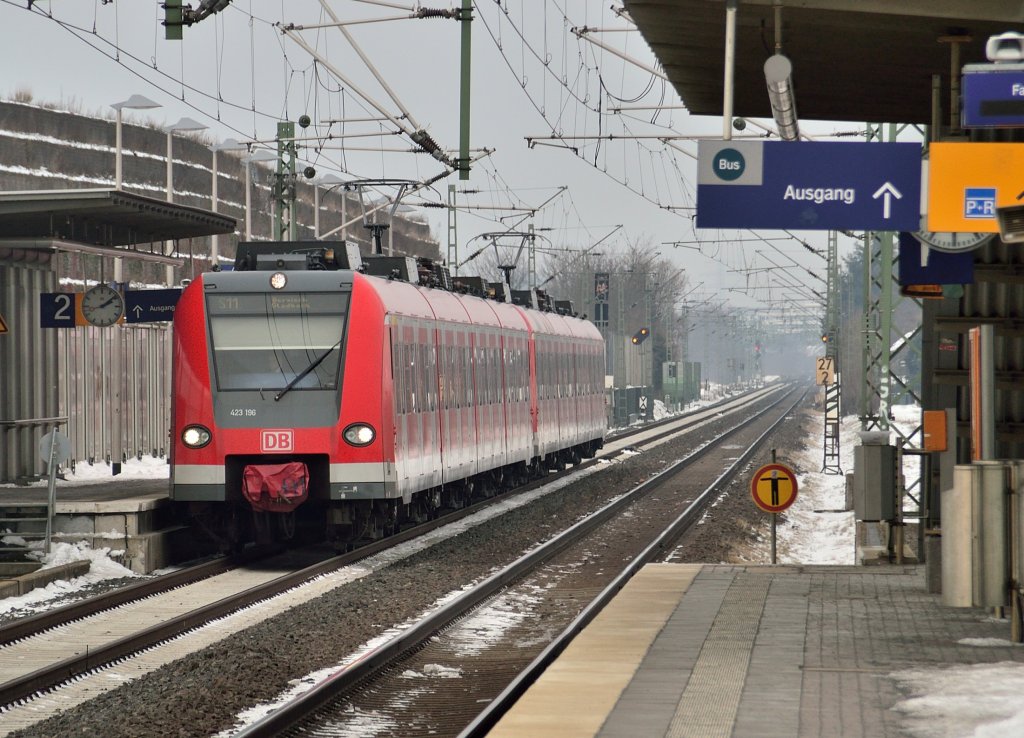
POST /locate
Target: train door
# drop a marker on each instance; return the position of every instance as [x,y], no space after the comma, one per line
[533,389]
[453,437]
[430,426]
[576,360]
[466,411]
[406,426]
[547,380]
[517,405]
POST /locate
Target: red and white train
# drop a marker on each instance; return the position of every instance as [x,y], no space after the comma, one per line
[306,391]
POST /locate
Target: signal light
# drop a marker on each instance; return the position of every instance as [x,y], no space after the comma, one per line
[824,338]
[640,336]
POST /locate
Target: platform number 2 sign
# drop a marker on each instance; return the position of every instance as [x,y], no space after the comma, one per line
[825,372]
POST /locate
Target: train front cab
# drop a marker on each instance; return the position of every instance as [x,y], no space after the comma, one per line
[271,411]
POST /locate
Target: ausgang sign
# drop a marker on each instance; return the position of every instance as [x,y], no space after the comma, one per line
[809,185]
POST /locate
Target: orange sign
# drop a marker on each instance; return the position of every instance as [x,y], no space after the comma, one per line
[3,326]
[968,181]
[773,487]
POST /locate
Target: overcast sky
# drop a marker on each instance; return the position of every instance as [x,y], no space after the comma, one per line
[532,76]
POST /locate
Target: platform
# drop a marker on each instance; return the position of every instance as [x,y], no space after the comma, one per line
[752,652]
[130,515]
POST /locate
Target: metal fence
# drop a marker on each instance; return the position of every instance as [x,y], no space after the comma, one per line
[107,388]
[28,367]
[115,391]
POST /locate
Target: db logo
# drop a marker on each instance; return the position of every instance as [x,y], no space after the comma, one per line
[276,441]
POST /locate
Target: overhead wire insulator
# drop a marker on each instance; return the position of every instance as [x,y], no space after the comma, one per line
[436,13]
[428,144]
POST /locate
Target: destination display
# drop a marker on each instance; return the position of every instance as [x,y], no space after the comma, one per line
[993,96]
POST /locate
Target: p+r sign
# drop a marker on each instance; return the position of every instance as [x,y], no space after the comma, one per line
[809,185]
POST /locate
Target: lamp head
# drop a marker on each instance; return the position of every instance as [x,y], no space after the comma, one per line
[1011,223]
[1006,47]
[185,124]
[136,102]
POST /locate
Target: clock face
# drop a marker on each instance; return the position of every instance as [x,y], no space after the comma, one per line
[102,305]
[953,243]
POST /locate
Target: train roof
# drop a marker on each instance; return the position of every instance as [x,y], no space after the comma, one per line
[421,288]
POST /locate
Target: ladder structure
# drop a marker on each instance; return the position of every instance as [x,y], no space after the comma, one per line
[830,460]
[453,234]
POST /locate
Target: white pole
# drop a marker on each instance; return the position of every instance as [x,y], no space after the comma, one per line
[118,263]
[730,67]
[117,151]
[215,243]
[248,200]
[316,211]
[170,198]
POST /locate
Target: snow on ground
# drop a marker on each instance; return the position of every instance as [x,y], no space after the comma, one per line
[101,566]
[38,600]
[978,700]
[85,473]
[817,529]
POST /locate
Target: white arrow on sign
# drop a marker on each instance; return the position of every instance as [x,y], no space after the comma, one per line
[888,191]
[138,311]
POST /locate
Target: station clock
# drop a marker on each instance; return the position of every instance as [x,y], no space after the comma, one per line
[951,243]
[102,306]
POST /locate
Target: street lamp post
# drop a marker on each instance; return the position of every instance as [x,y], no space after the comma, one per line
[185,124]
[228,144]
[261,155]
[135,102]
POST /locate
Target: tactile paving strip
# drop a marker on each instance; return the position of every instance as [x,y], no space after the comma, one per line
[712,696]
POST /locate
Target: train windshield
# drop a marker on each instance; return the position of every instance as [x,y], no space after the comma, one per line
[265,341]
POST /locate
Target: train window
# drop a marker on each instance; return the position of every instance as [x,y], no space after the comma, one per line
[485,363]
[524,373]
[431,366]
[397,375]
[467,377]
[478,366]
[265,342]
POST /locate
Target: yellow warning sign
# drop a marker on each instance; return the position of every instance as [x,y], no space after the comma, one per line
[773,487]
[3,326]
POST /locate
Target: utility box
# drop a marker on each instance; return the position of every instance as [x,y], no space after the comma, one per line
[935,430]
[874,478]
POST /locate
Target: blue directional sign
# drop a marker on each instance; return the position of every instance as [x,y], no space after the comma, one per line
[150,306]
[809,185]
[938,267]
[993,96]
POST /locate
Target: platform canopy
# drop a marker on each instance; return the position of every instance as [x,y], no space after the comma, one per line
[103,217]
[853,60]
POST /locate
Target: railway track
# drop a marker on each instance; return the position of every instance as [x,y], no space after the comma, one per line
[75,652]
[433,644]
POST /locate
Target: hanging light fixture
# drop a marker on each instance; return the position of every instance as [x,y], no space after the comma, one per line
[778,73]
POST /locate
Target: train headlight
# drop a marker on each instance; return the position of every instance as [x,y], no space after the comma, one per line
[195,436]
[278,280]
[360,434]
